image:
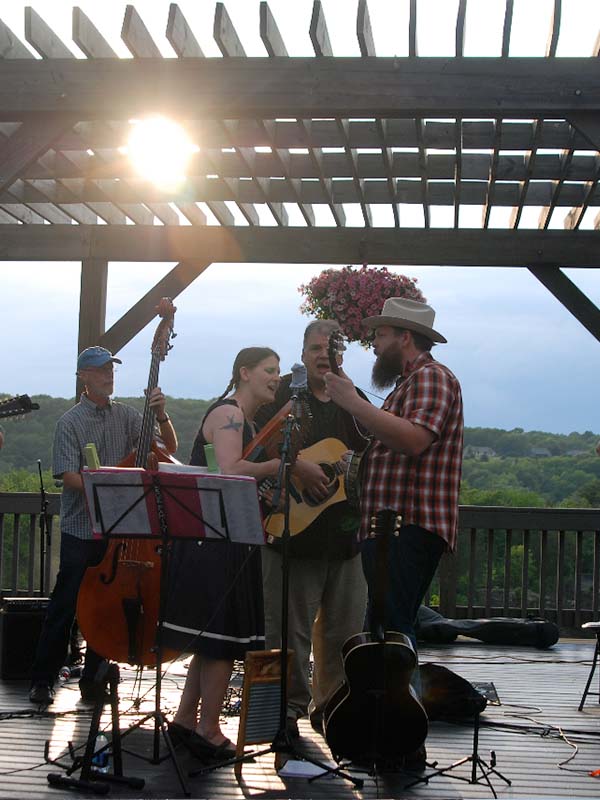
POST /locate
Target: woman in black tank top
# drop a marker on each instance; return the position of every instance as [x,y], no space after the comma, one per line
[215,605]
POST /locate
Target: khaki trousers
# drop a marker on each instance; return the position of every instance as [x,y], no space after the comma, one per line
[327,603]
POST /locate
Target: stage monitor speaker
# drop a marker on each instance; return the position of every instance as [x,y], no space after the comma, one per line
[21,620]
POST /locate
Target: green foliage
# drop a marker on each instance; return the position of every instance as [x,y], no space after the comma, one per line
[514,478]
[30,438]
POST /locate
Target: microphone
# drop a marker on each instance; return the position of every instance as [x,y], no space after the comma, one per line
[299,378]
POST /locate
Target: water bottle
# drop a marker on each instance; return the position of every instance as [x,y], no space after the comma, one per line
[100,761]
[67,672]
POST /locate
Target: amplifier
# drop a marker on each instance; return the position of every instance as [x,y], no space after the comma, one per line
[21,620]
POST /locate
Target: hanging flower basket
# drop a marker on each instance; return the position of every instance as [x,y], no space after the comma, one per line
[350,294]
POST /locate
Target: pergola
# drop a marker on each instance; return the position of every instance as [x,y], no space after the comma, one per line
[319,135]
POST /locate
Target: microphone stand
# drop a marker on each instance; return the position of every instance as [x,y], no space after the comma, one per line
[282,742]
[45,531]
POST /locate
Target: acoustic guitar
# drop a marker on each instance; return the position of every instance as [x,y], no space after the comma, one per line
[304,508]
[375,717]
[17,406]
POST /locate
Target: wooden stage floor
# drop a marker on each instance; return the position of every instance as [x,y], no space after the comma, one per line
[534,732]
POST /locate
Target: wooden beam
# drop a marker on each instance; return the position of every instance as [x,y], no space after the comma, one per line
[30,141]
[10,45]
[572,298]
[335,87]
[477,135]
[92,305]
[139,315]
[292,245]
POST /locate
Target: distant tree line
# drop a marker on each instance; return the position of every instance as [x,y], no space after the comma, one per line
[513,478]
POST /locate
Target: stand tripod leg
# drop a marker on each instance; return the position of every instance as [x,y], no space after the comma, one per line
[90,779]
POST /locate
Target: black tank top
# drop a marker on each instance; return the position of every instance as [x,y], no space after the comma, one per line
[197,458]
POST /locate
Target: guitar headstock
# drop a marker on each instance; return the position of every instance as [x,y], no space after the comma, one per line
[17,406]
[385,522]
[335,348]
[164,332]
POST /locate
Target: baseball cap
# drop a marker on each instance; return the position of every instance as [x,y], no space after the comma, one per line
[95,357]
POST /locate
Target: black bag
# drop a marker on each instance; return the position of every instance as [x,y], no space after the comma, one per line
[447,696]
[433,628]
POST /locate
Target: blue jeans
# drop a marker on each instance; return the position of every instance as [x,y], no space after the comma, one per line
[76,555]
[411,561]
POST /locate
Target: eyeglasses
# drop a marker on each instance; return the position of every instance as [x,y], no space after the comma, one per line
[105,368]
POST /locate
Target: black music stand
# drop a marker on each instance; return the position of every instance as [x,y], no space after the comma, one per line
[282,743]
[136,503]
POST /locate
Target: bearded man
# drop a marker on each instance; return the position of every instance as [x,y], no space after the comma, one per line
[413,464]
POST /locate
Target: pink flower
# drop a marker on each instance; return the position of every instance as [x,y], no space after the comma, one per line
[350,294]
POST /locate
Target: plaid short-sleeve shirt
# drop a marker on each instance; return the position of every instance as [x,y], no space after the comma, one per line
[423,489]
[114,430]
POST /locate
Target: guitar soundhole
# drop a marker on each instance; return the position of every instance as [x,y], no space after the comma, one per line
[334,485]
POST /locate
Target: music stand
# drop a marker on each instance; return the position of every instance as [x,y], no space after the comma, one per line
[480,769]
[171,503]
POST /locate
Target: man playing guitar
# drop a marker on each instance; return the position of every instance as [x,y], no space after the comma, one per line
[327,591]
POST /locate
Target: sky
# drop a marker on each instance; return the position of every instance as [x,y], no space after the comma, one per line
[522,359]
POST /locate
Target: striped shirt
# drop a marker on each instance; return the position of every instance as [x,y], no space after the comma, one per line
[423,489]
[114,430]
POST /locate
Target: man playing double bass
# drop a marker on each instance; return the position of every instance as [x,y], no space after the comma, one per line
[114,429]
[327,590]
[413,464]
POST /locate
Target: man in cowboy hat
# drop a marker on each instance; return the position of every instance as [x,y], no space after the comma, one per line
[413,464]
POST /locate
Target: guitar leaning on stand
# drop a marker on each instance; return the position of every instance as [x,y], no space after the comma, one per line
[375,719]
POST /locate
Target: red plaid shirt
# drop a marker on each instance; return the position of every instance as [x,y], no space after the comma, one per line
[424,489]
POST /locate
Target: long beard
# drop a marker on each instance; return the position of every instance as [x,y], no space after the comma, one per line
[386,370]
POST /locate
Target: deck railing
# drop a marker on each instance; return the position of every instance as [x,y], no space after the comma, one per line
[513,562]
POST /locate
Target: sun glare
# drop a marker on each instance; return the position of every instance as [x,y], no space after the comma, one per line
[159,150]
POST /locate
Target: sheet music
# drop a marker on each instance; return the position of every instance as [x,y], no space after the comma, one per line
[122,501]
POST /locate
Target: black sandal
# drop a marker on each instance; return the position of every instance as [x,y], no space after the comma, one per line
[207,751]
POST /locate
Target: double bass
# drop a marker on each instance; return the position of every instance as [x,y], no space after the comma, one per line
[118,601]
[375,717]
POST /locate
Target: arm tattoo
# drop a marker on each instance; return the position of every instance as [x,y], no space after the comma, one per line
[231,425]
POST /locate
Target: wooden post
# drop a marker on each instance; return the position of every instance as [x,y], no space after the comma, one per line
[92,305]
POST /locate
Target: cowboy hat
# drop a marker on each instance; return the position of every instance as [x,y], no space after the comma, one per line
[410,314]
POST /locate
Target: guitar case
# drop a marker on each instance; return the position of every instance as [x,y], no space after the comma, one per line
[447,696]
[433,628]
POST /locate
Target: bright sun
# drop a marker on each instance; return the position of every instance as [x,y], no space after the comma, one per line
[159,150]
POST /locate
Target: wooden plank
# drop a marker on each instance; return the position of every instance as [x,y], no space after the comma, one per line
[507,27]
[193,213]
[554,29]
[322,46]
[42,38]
[230,45]
[366,44]
[144,311]
[413,45]
[275,46]
[88,38]
[10,45]
[477,135]
[572,298]
[136,36]
[338,87]
[293,246]
[23,214]
[475,166]
[185,45]
[164,213]
[31,140]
